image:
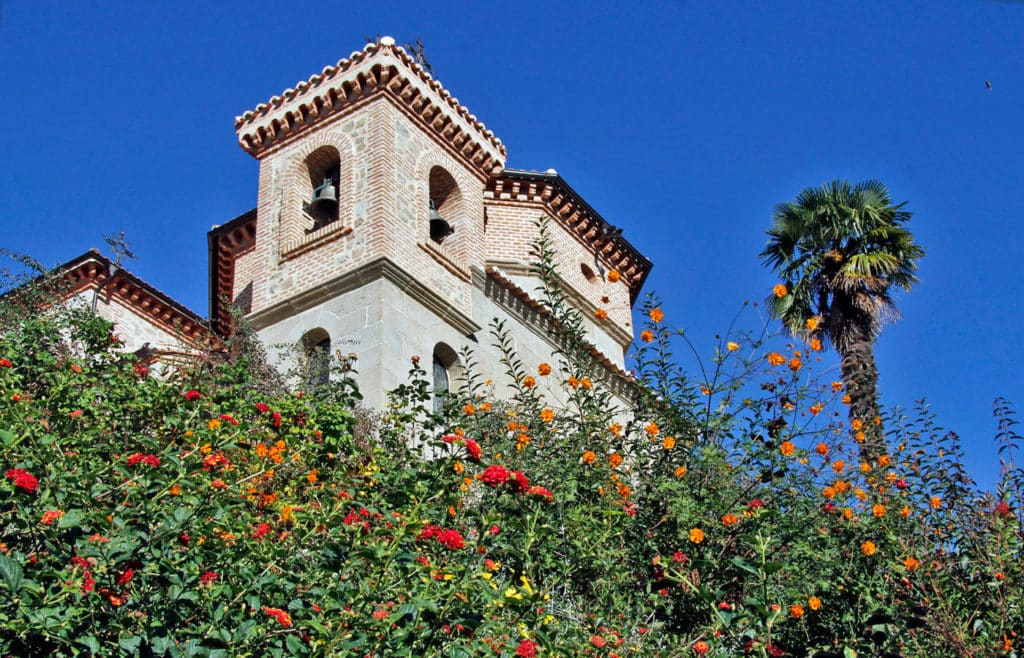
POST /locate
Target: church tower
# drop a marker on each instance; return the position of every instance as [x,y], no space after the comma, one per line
[387,226]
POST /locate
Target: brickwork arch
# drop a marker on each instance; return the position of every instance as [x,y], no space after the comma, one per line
[320,151]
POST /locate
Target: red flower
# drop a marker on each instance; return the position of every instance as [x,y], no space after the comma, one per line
[276,419]
[494,530]
[5,363]
[138,458]
[214,460]
[756,503]
[679,557]
[23,480]
[598,641]
[126,577]
[527,649]
[78,561]
[901,484]
[262,408]
[518,482]
[76,413]
[451,539]
[140,370]
[473,448]
[450,438]
[542,493]
[228,418]
[1002,509]
[280,615]
[495,475]
[208,577]
[261,530]
[429,532]
[193,395]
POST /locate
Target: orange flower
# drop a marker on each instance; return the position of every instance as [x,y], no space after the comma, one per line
[469,410]
[50,516]
[857,424]
[668,443]
[586,383]
[615,460]
[696,535]
[657,315]
[652,429]
[795,364]
[812,323]
[821,449]
[837,386]
[547,415]
[704,390]
[878,511]
[911,564]
[680,471]
[787,448]
[859,436]
[815,344]
[175,490]
[646,335]
[573,382]
[814,603]
[776,359]
[529,382]
[935,502]
[838,466]
[589,457]
[311,476]
[796,611]
[847,399]
[544,369]
[730,519]
[868,548]
[816,409]
[780,290]
[905,512]
[601,314]
[884,460]
[213,424]
[615,429]
[613,276]
[732,346]
[829,492]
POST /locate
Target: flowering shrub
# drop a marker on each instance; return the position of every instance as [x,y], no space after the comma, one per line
[210,514]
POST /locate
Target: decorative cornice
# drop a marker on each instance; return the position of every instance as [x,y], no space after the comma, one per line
[549,191]
[380,268]
[380,67]
[93,271]
[527,301]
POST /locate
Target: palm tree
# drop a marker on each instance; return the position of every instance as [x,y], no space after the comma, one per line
[840,251]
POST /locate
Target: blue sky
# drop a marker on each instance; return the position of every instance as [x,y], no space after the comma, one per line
[682,122]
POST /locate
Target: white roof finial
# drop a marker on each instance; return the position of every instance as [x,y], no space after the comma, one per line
[387,41]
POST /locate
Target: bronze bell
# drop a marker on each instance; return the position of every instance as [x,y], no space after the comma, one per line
[439,226]
[324,205]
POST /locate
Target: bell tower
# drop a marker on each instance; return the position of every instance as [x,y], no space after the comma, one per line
[370,216]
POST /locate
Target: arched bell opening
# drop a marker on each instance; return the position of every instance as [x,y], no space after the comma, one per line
[320,196]
[445,201]
[316,350]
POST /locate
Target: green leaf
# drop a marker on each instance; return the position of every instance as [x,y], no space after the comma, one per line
[11,572]
[72,518]
[90,643]
[130,644]
[295,645]
[746,566]
[6,437]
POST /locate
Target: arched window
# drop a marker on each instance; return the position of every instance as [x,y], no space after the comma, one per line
[316,346]
[445,201]
[320,198]
[446,368]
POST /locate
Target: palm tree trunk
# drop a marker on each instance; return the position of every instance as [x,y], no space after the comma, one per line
[861,378]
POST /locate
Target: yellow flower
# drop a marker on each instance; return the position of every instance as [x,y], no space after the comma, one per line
[868,548]
[646,335]
[668,443]
[696,535]
[680,471]
[847,513]
[787,448]
[814,603]
[780,290]
[586,383]
[860,437]
[776,359]
[522,441]
[613,276]
[865,467]
[732,346]
[544,369]
[812,323]
[547,415]
[657,315]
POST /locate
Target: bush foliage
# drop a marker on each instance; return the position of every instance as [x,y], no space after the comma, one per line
[727,513]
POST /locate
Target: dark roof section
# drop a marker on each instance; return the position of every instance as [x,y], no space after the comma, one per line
[225,243]
[592,227]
